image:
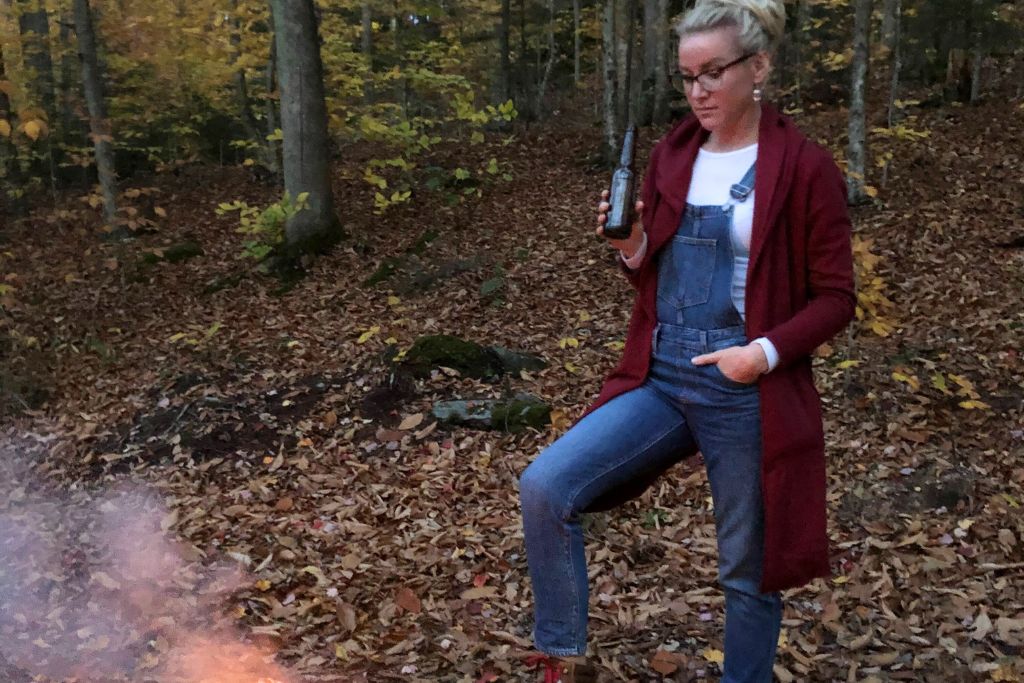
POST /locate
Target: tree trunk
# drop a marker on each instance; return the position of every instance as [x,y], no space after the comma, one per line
[575,42]
[896,59]
[99,124]
[890,18]
[542,88]
[35,35]
[855,178]
[272,98]
[10,171]
[611,84]
[522,81]
[977,60]
[803,23]
[367,49]
[660,113]
[896,55]
[505,77]
[304,123]
[651,58]
[34,24]
[249,123]
[622,28]
[71,125]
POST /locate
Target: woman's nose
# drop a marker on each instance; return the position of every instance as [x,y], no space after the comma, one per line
[697,91]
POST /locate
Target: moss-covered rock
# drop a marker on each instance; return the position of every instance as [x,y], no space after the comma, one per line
[385,270]
[174,253]
[511,415]
[469,358]
[514,361]
[521,413]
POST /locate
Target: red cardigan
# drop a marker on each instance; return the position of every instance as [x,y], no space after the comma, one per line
[800,293]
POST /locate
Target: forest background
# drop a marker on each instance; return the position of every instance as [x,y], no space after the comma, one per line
[291,293]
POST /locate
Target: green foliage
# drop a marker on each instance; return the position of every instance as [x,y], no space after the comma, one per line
[266,226]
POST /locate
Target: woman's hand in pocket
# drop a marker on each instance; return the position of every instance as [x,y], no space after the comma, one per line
[742,364]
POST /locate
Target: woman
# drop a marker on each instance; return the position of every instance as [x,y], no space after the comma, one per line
[742,266]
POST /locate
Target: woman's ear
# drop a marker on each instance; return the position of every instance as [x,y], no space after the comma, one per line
[762,63]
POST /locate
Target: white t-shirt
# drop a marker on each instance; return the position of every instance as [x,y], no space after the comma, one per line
[714,174]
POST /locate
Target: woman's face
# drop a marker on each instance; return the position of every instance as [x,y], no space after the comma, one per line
[732,94]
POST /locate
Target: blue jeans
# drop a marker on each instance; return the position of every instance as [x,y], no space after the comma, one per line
[679,406]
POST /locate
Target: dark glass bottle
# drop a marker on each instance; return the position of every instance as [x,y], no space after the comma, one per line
[622,194]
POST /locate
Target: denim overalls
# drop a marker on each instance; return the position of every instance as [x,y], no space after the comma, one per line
[680,406]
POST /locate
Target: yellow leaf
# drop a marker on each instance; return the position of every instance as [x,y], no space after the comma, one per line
[915,385]
[974,404]
[263,585]
[880,328]
[839,580]
[961,380]
[365,336]
[559,420]
[870,191]
[572,368]
[160,212]
[849,364]
[584,316]
[249,162]
[616,345]
[568,341]
[34,128]
[5,128]
[716,656]
[393,300]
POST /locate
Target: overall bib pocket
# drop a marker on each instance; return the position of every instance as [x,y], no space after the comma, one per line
[686,271]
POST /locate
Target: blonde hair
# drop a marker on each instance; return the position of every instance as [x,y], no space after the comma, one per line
[761,23]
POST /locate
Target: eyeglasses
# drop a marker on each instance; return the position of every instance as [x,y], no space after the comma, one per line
[711,80]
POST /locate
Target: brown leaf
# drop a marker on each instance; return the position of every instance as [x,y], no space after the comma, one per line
[665,663]
[408,601]
[479,592]
[412,421]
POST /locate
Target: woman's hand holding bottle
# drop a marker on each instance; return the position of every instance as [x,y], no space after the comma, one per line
[631,244]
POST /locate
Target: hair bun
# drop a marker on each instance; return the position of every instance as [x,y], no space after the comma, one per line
[771,14]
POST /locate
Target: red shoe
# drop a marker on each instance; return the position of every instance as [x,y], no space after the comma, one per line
[562,669]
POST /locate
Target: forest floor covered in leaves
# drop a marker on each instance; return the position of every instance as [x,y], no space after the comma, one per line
[263,429]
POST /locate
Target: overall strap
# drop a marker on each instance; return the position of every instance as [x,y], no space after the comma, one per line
[741,190]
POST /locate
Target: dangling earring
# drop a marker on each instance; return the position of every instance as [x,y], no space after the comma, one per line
[758,93]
